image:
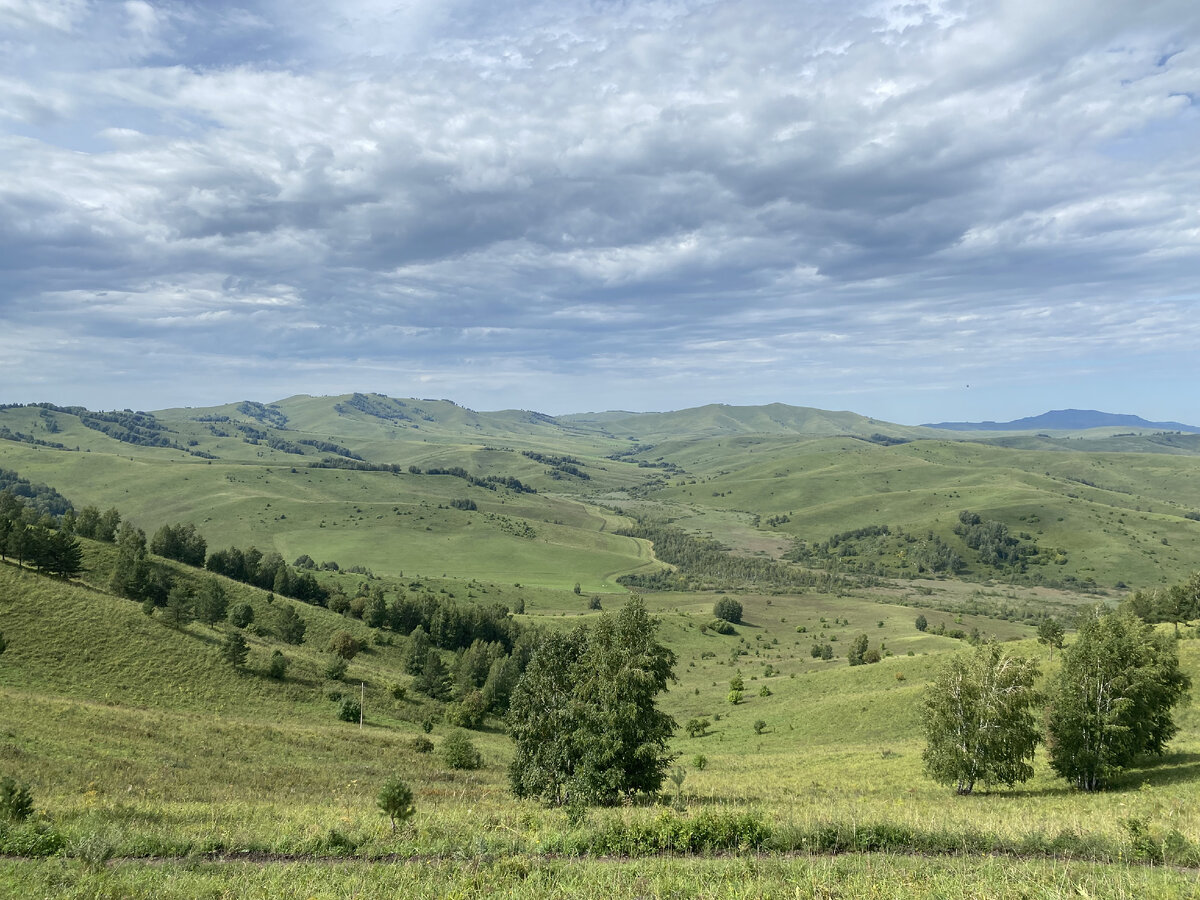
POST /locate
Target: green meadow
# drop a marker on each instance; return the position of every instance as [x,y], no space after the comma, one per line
[158,769]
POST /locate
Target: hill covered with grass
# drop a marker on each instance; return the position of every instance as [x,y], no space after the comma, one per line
[140,738]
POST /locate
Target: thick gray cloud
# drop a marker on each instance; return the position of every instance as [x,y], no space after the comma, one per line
[576,205]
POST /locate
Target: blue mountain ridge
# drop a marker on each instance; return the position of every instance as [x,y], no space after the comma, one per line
[1066,420]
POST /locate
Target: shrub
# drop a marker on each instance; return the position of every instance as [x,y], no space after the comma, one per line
[459,753]
[594,603]
[734,697]
[398,691]
[396,801]
[15,802]
[344,645]
[697,727]
[922,622]
[350,710]
[241,615]
[728,610]
[422,745]
[278,666]
[759,726]
[720,626]
[700,761]
[336,669]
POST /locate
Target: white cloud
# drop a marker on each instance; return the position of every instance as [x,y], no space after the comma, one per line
[755,194]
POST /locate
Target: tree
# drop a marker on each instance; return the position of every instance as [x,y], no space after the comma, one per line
[131,571]
[288,624]
[857,650]
[1178,603]
[179,611]
[434,680]
[396,800]
[241,615]
[235,649]
[583,716]
[1050,632]
[64,558]
[1113,698]
[418,649]
[728,609]
[979,721]
[211,601]
[922,622]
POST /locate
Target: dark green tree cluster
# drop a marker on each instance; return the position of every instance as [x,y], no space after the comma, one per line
[268,572]
[134,575]
[181,543]
[702,564]
[728,609]
[860,652]
[583,716]
[50,551]
[96,525]
[39,499]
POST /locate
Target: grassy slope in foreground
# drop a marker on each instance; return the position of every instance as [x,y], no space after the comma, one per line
[148,741]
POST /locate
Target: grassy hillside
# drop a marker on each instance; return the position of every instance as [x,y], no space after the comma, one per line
[139,739]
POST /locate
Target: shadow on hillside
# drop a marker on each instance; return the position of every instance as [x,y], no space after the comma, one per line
[1170,768]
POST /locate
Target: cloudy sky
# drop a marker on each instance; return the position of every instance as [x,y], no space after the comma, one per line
[918,211]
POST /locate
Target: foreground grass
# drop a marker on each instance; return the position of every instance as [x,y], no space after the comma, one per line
[857,875]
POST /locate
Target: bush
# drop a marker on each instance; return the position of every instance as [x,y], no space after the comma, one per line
[700,761]
[350,710]
[720,626]
[697,727]
[241,615]
[278,666]
[422,745]
[728,610]
[344,645]
[594,603]
[759,726]
[396,801]
[15,801]
[459,753]
[336,668]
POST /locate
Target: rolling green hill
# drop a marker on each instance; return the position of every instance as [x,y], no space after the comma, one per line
[139,739]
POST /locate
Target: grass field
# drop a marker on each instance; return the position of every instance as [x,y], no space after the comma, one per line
[158,769]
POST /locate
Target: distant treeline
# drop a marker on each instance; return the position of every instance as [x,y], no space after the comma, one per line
[702,563]
[491,482]
[559,465]
[40,497]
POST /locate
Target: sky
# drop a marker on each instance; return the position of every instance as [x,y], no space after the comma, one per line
[918,211]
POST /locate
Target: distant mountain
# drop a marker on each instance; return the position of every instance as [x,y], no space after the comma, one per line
[1067,420]
[718,419]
